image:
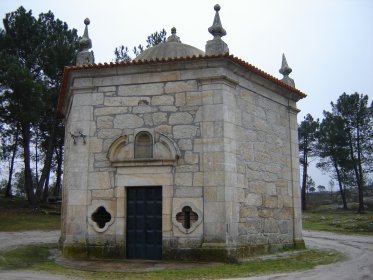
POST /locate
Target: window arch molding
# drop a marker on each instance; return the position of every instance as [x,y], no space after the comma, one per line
[143,145]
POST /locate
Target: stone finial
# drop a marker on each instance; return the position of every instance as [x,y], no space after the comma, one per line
[85,56]
[173,37]
[217,29]
[216,46]
[286,70]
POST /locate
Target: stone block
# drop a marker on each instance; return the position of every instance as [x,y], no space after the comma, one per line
[254,199]
[165,129]
[214,212]
[128,121]
[193,98]
[198,179]
[270,226]
[99,181]
[270,201]
[185,144]
[107,89]
[105,122]
[213,112]
[95,145]
[77,197]
[159,118]
[185,131]
[83,114]
[180,118]
[213,161]
[82,99]
[110,133]
[182,86]
[191,158]
[114,101]
[188,192]
[105,111]
[144,179]
[144,109]
[180,99]
[162,100]
[248,212]
[141,89]
[108,193]
[183,179]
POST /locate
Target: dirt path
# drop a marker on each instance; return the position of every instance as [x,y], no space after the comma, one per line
[357,266]
[358,249]
[10,240]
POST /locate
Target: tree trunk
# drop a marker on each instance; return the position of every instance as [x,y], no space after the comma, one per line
[361,177]
[29,186]
[46,190]
[57,190]
[47,162]
[361,209]
[341,190]
[304,181]
[8,190]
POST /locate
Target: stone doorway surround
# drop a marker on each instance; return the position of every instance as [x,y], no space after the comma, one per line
[151,176]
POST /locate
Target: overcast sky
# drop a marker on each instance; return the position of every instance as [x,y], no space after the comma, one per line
[328,43]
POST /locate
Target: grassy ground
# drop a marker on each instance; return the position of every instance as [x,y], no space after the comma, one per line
[37,258]
[15,215]
[339,221]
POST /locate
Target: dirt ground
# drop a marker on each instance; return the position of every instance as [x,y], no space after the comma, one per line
[358,250]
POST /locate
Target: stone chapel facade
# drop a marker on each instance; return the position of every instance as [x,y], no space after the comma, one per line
[179,154]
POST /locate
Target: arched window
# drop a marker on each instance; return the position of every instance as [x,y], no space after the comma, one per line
[143,145]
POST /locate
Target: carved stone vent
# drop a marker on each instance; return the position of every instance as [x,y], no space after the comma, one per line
[187,217]
[101,217]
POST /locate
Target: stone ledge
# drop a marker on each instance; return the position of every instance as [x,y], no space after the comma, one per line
[144,162]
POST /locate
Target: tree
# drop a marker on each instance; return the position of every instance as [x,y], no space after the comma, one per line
[32,56]
[121,52]
[332,149]
[321,188]
[357,119]
[20,75]
[307,141]
[58,49]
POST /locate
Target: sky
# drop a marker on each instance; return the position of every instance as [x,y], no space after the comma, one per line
[327,43]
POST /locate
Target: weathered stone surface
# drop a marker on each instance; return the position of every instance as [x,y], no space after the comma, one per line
[180,118]
[184,131]
[172,87]
[159,118]
[110,111]
[105,122]
[141,90]
[108,133]
[233,146]
[183,179]
[162,100]
[128,121]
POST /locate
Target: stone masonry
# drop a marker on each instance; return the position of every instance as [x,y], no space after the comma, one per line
[222,147]
[237,162]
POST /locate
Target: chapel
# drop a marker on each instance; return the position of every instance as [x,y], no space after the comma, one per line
[179,154]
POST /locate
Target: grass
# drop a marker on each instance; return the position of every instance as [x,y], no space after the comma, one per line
[37,258]
[339,221]
[15,215]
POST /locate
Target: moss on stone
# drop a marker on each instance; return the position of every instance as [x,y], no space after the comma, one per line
[75,251]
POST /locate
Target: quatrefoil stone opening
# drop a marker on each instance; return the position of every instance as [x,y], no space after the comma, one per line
[101,217]
[187,217]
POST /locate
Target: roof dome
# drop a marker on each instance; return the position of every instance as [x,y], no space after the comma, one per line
[172,48]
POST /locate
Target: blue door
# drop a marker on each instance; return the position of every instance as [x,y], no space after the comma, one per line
[144,223]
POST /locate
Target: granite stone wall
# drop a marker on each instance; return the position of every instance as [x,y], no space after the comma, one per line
[223,145]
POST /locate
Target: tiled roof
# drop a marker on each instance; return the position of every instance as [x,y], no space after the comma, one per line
[232,58]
